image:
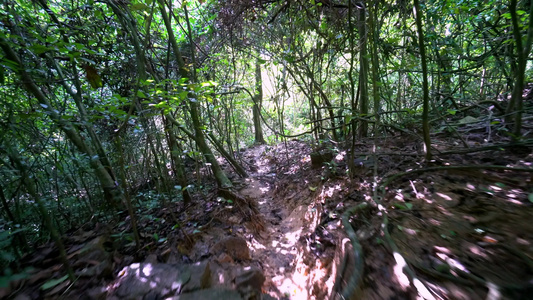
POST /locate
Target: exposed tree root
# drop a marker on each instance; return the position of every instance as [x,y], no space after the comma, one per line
[353,283]
[247,208]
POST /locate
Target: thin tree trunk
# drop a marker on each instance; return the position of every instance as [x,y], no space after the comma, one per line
[199,136]
[375,63]
[175,154]
[363,71]
[425,113]
[516,104]
[131,212]
[258,101]
[30,184]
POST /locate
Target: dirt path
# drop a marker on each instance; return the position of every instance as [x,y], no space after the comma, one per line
[278,248]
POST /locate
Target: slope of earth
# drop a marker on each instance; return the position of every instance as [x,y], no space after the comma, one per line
[454,228]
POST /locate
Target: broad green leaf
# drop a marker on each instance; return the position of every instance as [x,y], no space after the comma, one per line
[53,282]
[530,197]
[38,49]
[140,94]
[139,6]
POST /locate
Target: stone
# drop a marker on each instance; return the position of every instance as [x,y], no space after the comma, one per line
[253,278]
[318,158]
[235,247]
[158,281]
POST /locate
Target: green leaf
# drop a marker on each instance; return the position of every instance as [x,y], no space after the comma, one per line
[39,49]
[138,6]
[140,94]
[53,282]
[530,197]
[452,111]
[261,61]
[312,188]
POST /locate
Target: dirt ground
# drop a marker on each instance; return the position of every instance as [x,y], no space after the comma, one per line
[457,227]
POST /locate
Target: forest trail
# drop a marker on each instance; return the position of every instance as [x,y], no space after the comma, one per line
[278,247]
[463,233]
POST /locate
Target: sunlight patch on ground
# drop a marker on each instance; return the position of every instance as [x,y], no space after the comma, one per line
[340,156]
[328,192]
[398,271]
[404,281]
[495,188]
[295,284]
[293,169]
[254,244]
[513,197]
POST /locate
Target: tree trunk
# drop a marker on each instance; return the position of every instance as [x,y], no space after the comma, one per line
[258,101]
[220,176]
[425,113]
[516,103]
[363,72]
[177,163]
[375,63]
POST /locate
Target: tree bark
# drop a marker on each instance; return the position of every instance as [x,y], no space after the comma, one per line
[425,87]
[363,72]
[517,103]
[199,136]
[258,101]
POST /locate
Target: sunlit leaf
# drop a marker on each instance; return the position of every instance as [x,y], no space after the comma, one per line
[312,188]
